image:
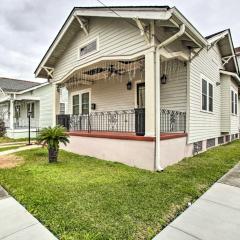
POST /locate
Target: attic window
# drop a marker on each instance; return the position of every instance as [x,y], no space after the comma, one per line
[88,48]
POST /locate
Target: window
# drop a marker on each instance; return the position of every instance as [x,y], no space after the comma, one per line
[62,108]
[88,48]
[75,105]
[17,111]
[207,96]
[234,104]
[85,103]
[30,108]
[204,95]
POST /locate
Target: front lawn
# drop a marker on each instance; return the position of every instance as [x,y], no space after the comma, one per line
[2,149]
[9,140]
[85,198]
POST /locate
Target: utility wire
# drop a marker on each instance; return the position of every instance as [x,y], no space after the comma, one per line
[104,5]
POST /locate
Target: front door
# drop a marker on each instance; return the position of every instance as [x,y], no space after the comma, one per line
[140,111]
[141,95]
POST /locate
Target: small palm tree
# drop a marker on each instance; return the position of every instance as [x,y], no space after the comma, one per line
[52,137]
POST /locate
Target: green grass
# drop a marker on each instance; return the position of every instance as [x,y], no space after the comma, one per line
[9,140]
[85,198]
[2,149]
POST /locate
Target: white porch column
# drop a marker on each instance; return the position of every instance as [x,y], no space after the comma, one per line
[150,93]
[56,103]
[11,115]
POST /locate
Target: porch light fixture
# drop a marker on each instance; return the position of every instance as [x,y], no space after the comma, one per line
[164,79]
[129,85]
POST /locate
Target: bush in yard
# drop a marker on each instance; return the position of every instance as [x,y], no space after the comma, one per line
[2,128]
[52,137]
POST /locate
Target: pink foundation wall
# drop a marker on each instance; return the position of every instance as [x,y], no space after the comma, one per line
[138,154]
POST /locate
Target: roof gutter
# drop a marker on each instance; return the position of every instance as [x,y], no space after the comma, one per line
[232,74]
[181,31]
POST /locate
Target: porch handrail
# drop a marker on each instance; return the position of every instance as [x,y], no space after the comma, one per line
[131,120]
[172,121]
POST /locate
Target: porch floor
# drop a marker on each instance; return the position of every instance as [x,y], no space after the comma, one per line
[125,135]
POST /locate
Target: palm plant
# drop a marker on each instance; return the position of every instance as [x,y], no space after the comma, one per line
[52,137]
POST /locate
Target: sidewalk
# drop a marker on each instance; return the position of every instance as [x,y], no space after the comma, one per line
[28,147]
[16,223]
[214,216]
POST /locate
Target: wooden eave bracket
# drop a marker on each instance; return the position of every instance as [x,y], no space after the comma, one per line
[144,29]
[49,71]
[226,59]
[83,24]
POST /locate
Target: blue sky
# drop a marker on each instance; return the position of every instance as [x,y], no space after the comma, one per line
[28,27]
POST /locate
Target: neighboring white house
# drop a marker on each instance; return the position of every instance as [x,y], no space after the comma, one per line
[145,87]
[17,98]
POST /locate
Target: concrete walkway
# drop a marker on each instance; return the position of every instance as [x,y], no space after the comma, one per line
[16,223]
[214,216]
[19,149]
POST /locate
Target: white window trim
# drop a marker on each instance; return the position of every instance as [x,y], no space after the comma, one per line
[80,92]
[85,44]
[234,92]
[203,77]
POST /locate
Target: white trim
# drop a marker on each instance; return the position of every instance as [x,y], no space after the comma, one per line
[209,81]
[105,58]
[80,92]
[158,14]
[29,89]
[234,75]
[85,44]
[154,14]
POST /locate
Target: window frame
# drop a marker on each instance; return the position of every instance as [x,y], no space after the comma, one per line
[75,105]
[234,102]
[79,93]
[208,97]
[60,108]
[87,43]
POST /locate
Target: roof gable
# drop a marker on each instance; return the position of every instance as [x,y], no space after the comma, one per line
[71,26]
[226,47]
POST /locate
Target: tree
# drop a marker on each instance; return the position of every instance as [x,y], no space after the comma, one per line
[52,137]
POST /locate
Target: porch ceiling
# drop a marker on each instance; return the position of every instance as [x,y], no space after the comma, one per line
[105,69]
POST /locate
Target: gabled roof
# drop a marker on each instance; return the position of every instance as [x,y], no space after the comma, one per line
[162,13]
[16,85]
[215,34]
[226,47]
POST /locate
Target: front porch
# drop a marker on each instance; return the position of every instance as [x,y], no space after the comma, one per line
[124,124]
[117,98]
[14,113]
[112,106]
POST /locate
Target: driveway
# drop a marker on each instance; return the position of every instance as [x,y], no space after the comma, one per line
[214,216]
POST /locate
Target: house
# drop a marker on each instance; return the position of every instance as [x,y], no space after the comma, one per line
[17,98]
[145,87]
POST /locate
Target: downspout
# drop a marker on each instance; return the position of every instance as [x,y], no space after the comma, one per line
[181,31]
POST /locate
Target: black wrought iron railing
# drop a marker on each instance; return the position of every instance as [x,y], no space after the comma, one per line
[172,121]
[132,120]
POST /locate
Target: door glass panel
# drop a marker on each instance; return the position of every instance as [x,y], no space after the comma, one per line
[85,103]
[141,95]
[75,105]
